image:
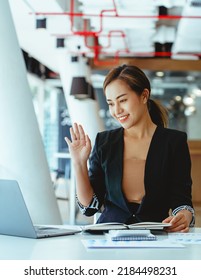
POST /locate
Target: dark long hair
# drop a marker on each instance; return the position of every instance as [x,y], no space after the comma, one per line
[136,79]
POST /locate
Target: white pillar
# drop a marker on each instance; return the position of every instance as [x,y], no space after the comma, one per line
[85,111]
[21,148]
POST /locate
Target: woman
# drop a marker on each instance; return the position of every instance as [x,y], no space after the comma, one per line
[140,171]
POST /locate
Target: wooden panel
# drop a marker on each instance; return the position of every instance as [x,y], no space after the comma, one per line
[149,64]
[195,152]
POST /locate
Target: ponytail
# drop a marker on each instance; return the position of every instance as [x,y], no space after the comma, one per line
[158,113]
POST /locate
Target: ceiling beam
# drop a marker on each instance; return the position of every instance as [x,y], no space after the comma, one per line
[155,64]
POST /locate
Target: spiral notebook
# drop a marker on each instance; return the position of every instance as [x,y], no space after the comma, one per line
[150,237]
[130,235]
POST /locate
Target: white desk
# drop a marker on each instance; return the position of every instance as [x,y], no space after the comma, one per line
[71,248]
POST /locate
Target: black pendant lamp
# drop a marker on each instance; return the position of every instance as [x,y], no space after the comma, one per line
[60,43]
[41,23]
[79,88]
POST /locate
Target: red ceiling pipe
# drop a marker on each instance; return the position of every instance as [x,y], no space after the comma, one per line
[96,48]
[112,34]
[162,17]
[92,33]
[109,35]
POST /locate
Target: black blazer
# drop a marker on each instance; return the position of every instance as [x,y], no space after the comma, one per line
[167,177]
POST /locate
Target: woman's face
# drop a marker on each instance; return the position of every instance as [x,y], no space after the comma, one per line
[124,104]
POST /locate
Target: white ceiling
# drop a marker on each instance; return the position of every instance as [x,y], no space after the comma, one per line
[123,27]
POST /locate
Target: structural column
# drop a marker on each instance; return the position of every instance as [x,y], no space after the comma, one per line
[84,112]
[21,148]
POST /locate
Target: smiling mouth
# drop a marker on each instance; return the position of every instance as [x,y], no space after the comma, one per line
[123,118]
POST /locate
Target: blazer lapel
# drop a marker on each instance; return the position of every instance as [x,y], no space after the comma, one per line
[115,169]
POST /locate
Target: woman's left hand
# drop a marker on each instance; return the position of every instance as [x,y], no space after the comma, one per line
[180,222]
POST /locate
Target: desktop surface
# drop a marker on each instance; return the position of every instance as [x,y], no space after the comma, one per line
[71,248]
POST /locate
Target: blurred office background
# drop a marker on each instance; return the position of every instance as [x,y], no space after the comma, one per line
[68,46]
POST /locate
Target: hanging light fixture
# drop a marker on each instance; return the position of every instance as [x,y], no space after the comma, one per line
[41,23]
[60,43]
[79,88]
[74,58]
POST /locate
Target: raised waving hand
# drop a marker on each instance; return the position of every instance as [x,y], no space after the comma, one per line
[79,145]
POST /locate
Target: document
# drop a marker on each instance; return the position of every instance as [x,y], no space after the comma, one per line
[105,243]
[185,238]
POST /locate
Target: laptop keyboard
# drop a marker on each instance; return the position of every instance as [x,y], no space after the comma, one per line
[52,230]
[41,229]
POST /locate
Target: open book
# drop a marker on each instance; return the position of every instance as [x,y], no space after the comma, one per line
[115,225]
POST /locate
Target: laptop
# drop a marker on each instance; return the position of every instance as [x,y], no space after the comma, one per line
[15,219]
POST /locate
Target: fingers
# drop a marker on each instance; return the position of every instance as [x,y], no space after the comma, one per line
[67,140]
[179,223]
[185,229]
[77,133]
[178,228]
[88,141]
[74,132]
[81,132]
[167,220]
